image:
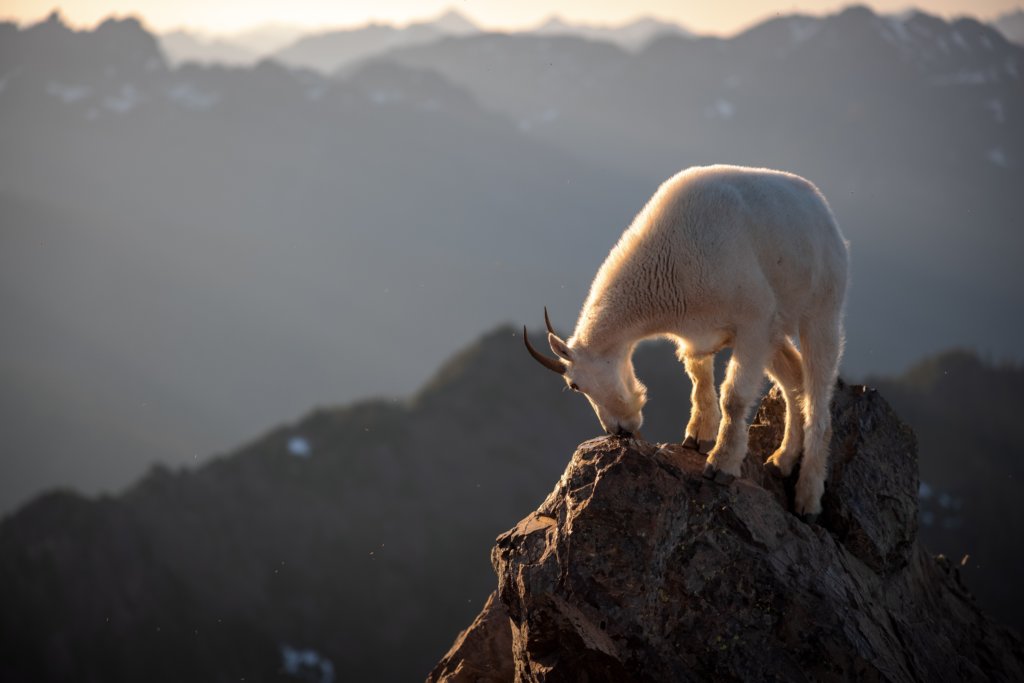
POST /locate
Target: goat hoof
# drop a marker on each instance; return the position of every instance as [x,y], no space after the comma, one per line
[773,469]
[718,476]
[700,445]
[724,478]
[809,518]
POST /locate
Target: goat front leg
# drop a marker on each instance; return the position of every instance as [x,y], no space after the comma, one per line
[742,385]
[705,415]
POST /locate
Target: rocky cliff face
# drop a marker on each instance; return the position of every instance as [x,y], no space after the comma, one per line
[636,568]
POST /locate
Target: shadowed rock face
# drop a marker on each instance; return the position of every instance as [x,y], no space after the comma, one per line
[636,568]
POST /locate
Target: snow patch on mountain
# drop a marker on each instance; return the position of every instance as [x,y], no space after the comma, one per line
[307,664]
[299,447]
[896,30]
[967,77]
[383,96]
[721,109]
[995,105]
[191,97]
[68,94]
[124,100]
[997,156]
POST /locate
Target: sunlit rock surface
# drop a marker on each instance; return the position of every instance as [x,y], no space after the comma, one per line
[635,568]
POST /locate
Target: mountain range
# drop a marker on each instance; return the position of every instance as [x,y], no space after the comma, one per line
[632,35]
[331,49]
[193,252]
[240,48]
[186,46]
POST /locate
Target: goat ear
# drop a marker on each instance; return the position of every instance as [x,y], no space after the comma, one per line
[559,347]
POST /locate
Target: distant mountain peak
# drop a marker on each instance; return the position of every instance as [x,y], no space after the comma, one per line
[913,36]
[858,12]
[128,23]
[333,50]
[117,42]
[453,21]
[54,17]
[554,22]
[649,21]
[53,24]
[1011,25]
[633,34]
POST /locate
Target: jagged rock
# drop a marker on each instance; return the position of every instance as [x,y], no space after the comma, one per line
[636,568]
[870,501]
[481,653]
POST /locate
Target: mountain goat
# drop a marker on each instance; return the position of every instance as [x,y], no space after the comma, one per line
[721,256]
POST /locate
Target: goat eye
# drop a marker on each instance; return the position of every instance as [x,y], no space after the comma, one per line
[573,386]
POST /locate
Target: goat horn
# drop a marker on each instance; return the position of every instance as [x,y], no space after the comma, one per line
[550,363]
[547,321]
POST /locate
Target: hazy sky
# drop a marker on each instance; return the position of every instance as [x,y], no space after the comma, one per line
[699,15]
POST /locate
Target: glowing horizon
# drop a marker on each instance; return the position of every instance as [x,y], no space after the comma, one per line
[222,17]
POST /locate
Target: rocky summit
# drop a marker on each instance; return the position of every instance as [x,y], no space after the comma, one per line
[636,568]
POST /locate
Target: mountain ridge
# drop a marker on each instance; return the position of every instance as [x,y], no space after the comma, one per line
[332,50]
[371,518]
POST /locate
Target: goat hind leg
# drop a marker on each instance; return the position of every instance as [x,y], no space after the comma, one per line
[821,344]
[786,370]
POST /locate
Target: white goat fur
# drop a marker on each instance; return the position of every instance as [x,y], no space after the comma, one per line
[723,256]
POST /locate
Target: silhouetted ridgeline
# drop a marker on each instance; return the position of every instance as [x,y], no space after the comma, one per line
[333,543]
[359,533]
